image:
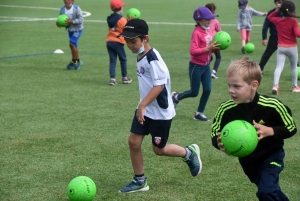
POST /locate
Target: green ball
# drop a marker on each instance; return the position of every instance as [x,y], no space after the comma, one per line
[239,138]
[61,20]
[134,12]
[81,188]
[249,48]
[222,38]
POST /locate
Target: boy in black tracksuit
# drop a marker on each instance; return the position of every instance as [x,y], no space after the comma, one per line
[273,40]
[272,120]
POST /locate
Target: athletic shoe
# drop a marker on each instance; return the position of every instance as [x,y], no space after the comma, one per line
[112,82]
[243,50]
[78,65]
[275,90]
[134,186]
[200,116]
[296,89]
[71,65]
[194,162]
[174,98]
[214,74]
[126,80]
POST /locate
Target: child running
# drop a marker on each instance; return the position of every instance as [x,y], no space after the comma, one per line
[201,49]
[155,110]
[272,120]
[244,22]
[288,32]
[273,39]
[216,27]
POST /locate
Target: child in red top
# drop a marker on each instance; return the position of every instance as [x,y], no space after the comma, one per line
[288,30]
[215,27]
[199,70]
[114,45]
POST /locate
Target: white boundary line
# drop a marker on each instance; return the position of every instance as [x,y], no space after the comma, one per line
[85,14]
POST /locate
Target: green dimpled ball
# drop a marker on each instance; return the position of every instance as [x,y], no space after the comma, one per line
[222,38]
[134,12]
[81,188]
[61,20]
[239,138]
[249,47]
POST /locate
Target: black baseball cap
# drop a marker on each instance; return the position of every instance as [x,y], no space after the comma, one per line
[134,28]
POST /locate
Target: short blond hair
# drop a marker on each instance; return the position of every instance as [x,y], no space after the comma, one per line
[245,68]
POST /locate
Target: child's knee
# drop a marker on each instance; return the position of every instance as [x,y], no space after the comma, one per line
[158,151]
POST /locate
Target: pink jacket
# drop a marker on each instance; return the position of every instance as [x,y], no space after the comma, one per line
[215,26]
[201,38]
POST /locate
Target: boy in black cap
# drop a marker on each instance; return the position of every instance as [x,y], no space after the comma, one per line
[155,110]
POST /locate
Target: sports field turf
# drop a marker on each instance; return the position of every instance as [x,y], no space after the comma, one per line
[57,124]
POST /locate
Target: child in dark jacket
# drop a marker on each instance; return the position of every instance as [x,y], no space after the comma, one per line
[114,44]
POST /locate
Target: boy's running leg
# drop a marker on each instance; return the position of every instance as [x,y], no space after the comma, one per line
[193,160]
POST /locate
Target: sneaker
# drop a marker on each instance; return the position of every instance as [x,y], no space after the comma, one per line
[296,89]
[126,80]
[243,50]
[200,116]
[194,162]
[71,65]
[78,65]
[174,98]
[275,90]
[214,74]
[112,82]
[135,186]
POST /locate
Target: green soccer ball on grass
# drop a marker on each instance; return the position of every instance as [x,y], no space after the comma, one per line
[239,138]
[81,188]
[61,20]
[249,48]
[222,38]
[133,12]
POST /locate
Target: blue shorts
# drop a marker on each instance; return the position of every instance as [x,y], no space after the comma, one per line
[159,130]
[74,37]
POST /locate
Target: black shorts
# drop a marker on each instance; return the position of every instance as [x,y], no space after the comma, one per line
[159,130]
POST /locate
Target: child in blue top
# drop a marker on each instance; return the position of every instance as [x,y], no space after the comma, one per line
[75,28]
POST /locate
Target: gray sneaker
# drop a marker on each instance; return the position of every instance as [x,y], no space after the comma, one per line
[194,162]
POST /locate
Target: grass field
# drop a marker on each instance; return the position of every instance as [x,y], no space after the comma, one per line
[57,124]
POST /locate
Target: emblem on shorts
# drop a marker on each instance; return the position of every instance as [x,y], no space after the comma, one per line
[157,140]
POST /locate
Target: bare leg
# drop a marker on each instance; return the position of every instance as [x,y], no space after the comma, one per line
[74,51]
[170,150]
[136,155]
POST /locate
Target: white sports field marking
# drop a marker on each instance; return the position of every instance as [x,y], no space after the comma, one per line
[20,19]
[85,14]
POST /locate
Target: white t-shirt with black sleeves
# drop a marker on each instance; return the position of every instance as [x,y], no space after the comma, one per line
[152,71]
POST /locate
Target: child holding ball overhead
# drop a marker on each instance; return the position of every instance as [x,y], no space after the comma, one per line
[288,32]
[272,120]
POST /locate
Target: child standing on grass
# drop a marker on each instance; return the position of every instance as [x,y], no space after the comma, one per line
[273,39]
[199,70]
[272,120]
[288,31]
[216,27]
[114,44]
[155,110]
[75,28]
[244,22]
